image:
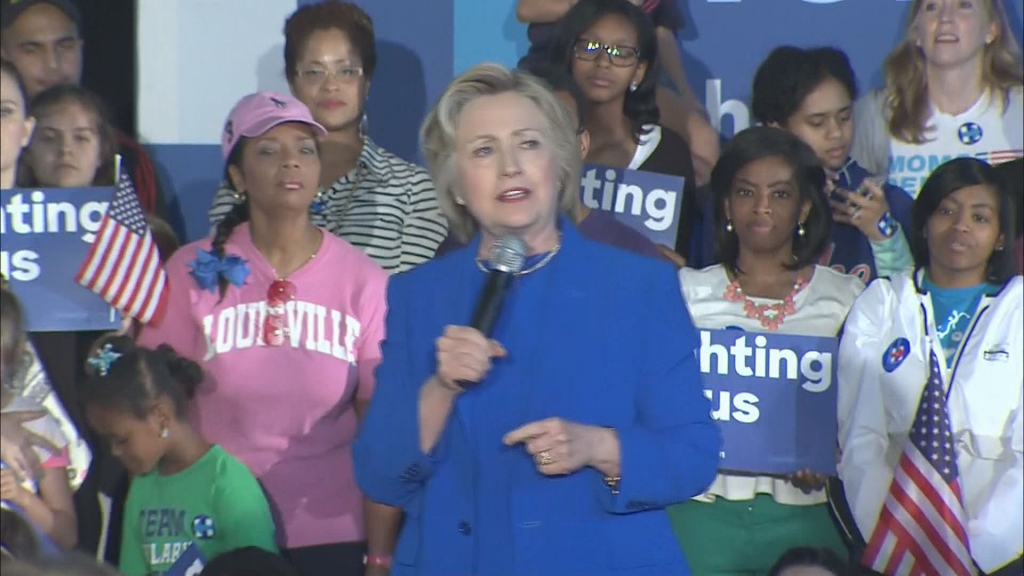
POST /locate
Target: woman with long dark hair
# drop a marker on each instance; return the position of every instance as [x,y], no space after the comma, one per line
[610,49]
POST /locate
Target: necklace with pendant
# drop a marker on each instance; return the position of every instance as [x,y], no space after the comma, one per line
[279,294]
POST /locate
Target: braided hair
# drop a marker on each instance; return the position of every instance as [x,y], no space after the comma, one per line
[137,377]
[239,214]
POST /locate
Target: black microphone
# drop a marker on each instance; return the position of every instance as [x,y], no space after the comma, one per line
[507,256]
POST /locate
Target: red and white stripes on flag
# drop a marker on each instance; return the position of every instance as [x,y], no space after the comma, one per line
[921,530]
[123,266]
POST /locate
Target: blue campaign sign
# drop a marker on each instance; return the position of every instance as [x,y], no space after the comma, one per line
[774,398]
[190,563]
[45,236]
[646,202]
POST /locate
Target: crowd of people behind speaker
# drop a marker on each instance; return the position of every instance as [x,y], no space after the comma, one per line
[799,215]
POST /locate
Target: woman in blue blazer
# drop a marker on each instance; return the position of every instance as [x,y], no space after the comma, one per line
[554,448]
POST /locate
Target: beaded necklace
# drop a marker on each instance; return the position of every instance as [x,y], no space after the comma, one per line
[771,316]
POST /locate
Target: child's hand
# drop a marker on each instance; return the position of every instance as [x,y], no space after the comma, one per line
[10,489]
[16,443]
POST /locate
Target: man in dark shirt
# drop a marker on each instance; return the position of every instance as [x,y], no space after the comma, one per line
[41,38]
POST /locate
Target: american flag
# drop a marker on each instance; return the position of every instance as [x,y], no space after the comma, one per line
[123,266]
[921,530]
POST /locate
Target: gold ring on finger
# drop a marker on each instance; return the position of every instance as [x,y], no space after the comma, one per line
[544,458]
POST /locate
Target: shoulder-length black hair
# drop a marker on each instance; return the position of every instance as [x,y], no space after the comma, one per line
[640,105]
[755,144]
[789,74]
[955,175]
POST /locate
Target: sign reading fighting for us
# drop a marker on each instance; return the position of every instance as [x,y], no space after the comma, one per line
[644,201]
[774,398]
[45,236]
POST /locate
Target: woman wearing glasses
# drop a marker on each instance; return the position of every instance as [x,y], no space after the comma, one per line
[381,204]
[610,49]
[287,321]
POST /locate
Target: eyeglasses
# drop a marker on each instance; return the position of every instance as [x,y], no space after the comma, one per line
[621,56]
[275,329]
[318,74]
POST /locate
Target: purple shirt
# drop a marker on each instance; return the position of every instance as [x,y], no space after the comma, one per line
[597,226]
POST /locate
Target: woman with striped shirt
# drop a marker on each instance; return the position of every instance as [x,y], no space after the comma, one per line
[379,203]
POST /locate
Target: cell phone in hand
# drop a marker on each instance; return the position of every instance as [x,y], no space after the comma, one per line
[863,189]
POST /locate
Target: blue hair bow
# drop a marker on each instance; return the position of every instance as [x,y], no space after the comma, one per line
[208,267]
[103,358]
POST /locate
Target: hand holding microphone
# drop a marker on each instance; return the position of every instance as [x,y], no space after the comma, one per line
[464,357]
[464,354]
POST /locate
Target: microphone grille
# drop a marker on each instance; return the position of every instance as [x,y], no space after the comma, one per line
[508,254]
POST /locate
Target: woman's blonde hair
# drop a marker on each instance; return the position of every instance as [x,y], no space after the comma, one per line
[437,137]
[908,104]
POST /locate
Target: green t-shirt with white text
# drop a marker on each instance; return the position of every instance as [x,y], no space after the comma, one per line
[215,504]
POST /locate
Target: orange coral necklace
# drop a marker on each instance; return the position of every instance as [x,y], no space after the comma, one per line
[771,316]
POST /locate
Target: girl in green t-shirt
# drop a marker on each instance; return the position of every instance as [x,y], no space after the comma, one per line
[189,500]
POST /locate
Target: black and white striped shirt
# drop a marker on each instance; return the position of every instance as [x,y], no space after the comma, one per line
[393,217]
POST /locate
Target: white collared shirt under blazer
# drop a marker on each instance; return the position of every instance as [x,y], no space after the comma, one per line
[985,400]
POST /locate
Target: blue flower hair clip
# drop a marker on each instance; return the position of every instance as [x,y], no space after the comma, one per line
[207,268]
[103,358]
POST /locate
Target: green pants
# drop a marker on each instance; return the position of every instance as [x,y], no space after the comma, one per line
[727,538]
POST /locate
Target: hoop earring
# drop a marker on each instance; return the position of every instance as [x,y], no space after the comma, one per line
[800,230]
[364,125]
[728,225]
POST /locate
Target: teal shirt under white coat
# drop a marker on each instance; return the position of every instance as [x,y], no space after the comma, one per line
[954,308]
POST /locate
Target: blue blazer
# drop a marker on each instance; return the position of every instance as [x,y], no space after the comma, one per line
[598,336]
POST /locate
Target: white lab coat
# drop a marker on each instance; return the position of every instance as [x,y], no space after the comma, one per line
[985,403]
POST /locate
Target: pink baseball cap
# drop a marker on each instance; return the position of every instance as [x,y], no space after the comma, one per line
[256,113]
